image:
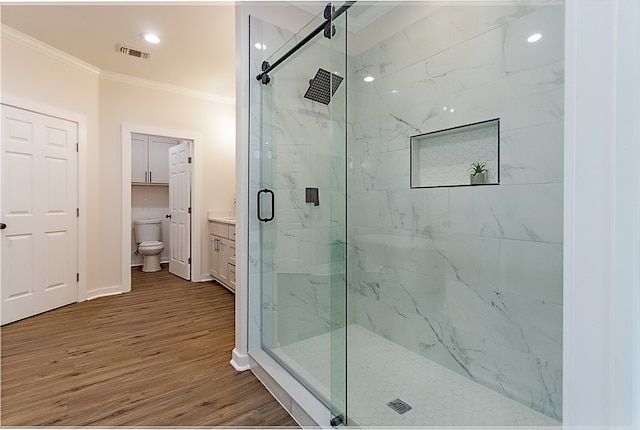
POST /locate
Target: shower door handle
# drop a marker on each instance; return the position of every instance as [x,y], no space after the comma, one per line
[273,207]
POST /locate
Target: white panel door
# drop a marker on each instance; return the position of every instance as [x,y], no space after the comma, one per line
[39,204]
[180,209]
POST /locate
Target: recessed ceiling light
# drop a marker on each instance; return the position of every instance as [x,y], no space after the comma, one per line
[394,91]
[151,38]
[534,38]
[369,79]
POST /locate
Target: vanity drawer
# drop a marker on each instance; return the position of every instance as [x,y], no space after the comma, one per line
[219,229]
[232,253]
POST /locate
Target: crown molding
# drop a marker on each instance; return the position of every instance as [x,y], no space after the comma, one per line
[48,50]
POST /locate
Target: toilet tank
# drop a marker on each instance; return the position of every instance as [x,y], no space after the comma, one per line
[147,230]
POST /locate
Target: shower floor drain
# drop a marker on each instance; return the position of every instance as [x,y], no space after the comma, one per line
[399,406]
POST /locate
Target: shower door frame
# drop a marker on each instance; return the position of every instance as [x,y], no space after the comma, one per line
[259,189]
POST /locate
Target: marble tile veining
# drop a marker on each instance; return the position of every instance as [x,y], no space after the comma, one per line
[466,279]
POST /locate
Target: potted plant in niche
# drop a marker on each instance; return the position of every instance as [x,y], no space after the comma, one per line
[478,173]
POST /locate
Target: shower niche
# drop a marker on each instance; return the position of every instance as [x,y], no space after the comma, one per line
[459,156]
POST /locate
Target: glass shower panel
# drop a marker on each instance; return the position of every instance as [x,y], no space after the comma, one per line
[338,221]
[455,293]
[299,192]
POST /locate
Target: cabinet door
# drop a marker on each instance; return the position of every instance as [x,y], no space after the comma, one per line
[159,159]
[139,158]
[232,277]
[223,267]
[214,257]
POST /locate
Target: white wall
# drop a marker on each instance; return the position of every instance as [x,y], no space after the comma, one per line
[602,216]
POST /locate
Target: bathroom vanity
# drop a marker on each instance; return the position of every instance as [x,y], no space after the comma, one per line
[222,251]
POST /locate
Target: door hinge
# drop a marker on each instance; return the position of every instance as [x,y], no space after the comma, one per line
[189,161]
[189,210]
[77,147]
[77,277]
[189,260]
[78,212]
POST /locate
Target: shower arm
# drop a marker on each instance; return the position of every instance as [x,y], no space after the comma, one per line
[326,26]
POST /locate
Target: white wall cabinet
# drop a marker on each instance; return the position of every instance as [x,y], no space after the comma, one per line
[222,253]
[150,159]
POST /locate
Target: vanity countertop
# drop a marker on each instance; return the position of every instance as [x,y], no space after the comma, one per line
[223,217]
[224,220]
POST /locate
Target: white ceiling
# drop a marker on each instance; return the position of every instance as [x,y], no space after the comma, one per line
[196,52]
[197,48]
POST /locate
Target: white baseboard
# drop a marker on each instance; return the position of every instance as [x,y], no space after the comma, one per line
[240,362]
[162,261]
[104,291]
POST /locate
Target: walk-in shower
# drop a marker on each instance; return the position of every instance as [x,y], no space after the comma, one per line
[392,276]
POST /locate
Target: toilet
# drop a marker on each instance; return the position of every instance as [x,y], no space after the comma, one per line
[148,233]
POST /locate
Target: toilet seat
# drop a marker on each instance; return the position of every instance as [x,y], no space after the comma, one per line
[151,245]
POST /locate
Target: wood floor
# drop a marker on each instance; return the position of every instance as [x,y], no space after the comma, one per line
[158,356]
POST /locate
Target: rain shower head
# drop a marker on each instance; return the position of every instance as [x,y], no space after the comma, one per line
[323,86]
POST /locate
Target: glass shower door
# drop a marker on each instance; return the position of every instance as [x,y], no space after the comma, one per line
[300,211]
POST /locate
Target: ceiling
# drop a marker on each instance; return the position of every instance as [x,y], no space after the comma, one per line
[196,51]
[197,47]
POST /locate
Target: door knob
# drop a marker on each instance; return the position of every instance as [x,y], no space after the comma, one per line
[2,226]
[168,216]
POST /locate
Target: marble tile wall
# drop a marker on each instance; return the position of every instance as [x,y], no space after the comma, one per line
[296,143]
[469,277]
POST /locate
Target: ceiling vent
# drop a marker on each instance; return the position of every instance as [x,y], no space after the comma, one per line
[133,52]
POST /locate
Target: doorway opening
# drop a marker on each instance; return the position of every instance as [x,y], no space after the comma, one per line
[157,186]
[150,190]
